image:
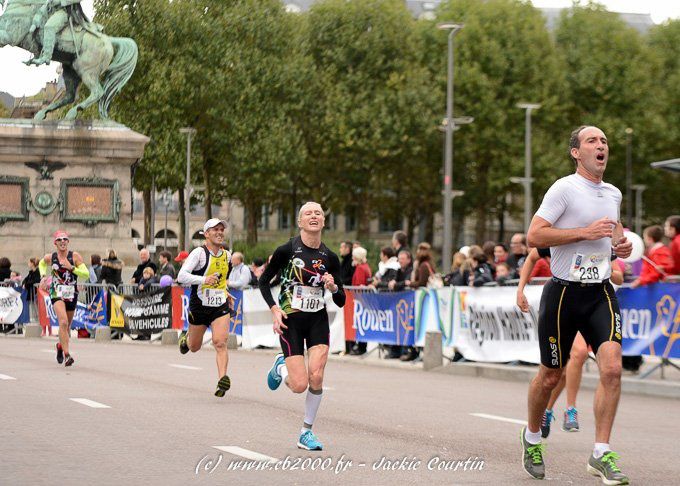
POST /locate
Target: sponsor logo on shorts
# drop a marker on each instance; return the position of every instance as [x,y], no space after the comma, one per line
[553,351]
[617,325]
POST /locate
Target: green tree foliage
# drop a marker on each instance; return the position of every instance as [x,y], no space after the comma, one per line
[378,109]
[342,104]
[613,79]
[503,56]
[663,194]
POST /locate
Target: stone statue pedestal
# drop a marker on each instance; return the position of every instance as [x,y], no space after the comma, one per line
[70,175]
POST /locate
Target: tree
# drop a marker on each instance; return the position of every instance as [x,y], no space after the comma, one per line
[663,193]
[613,76]
[374,117]
[504,55]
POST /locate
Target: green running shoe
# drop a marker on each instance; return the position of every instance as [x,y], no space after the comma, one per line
[222,386]
[606,468]
[532,457]
[183,346]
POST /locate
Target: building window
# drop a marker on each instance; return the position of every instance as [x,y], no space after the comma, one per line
[284,219]
[350,221]
[388,224]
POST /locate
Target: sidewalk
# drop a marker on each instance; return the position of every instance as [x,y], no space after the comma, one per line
[653,386]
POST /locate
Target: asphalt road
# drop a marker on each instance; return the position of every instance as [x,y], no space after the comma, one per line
[164,426]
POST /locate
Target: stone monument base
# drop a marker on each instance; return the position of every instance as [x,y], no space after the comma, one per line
[75,176]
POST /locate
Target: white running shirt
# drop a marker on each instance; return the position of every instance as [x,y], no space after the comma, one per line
[576,202]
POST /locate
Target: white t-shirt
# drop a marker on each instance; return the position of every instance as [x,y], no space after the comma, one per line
[576,202]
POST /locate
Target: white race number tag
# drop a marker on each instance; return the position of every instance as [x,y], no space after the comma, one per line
[66,292]
[307,299]
[214,297]
[589,268]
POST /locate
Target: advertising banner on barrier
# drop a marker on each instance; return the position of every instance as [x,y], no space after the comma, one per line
[384,318]
[146,313]
[86,316]
[488,326]
[651,320]
[13,305]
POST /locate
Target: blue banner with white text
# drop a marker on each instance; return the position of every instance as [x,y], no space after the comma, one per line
[384,318]
[651,320]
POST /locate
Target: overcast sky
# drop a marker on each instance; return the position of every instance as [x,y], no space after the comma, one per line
[20,80]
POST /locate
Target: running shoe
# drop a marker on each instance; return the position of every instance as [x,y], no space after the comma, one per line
[532,457]
[570,423]
[222,386]
[606,468]
[183,346]
[273,377]
[309,441]
[69,360]
[545,423]
[60,354]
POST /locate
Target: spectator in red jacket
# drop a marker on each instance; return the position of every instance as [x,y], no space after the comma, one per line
[542,267]
[672,230]
[362,271]
[659,261]
[360,278]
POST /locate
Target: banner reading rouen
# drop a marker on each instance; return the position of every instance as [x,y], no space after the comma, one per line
[146,313]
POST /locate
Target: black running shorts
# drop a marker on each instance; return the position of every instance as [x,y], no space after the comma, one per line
[70,304]
[569,308]
[309,327]
[200,315]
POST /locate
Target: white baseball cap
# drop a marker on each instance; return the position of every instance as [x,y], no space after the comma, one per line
[211,223]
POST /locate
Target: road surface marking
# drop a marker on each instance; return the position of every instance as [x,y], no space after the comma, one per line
[89,403]
[500,419]
[6,377]
[184,367]
[48,351]
[238,451]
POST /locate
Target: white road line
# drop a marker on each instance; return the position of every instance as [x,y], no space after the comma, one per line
[238,451]
[89,403]
[6,377]
[500,419]
[184,367]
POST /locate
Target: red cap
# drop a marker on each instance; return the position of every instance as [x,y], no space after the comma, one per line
[182,256]
[60,234]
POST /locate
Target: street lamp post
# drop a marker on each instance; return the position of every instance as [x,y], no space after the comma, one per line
[527,180]
[453,28]
[166,198]
[189,132]
[629,176]
[638,188]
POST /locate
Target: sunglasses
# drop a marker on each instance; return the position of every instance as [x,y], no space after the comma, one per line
[61,239]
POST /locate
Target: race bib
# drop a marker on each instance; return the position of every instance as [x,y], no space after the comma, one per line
[214,297]
[590,268]
[66,292]
[307,299]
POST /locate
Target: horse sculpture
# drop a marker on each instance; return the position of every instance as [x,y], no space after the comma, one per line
[84,53]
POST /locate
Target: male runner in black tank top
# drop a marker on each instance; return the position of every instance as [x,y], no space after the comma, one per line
[65,268]
[308,268]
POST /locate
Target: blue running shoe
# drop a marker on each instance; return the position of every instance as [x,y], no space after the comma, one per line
[570,423]
[309,442]
[545,423]
[273,377]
